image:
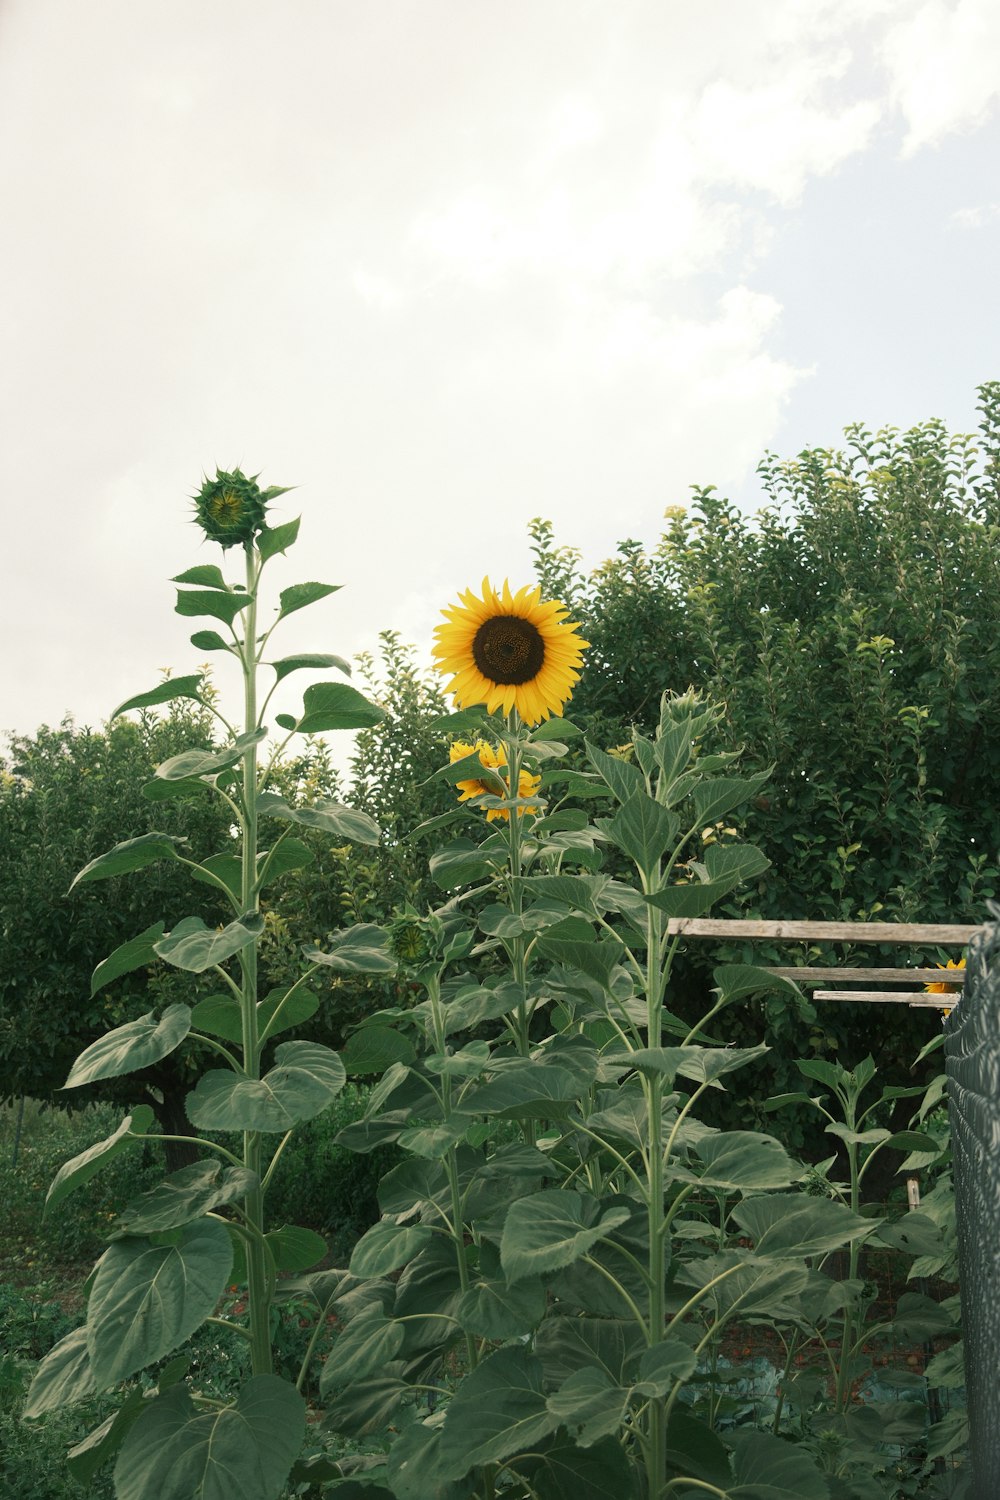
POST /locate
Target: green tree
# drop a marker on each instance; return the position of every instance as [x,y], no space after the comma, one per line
[65,794]
[852,630]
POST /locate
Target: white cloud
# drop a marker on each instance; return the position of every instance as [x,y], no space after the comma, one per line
[975,216]
[944,68]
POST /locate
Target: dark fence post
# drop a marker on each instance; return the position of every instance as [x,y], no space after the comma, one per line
[972,1053]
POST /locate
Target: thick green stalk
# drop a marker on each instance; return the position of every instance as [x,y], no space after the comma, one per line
[258,1280]
[656,1452]
[450,1160]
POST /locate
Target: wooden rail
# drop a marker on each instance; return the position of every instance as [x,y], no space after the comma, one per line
[942,933]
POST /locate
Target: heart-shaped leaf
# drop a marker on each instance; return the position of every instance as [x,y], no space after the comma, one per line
[132,1046]
[305,1078]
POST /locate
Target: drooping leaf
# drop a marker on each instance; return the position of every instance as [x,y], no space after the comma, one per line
[177,1452]
[663,1365]
[386,1247]
[301,594]
[525,1090]
[130,854]
[194,947]
[184,1196]
[767,1468]
[329,817]
[368,1343]
[713,799]
[288,855]
[459,863]
[147,1298]
[589,1405]
[498,1410]
[73,1174]
[736,981]
[363,949]
[497,1311]
[63,1377]
[305,1078]
[173,687]
[741,1161]
[103,1443]
[553,1228]
[783,1225]
[208,762]
[601,1471]
[132,1046]
[367,1406]
[309,661]
[132,955]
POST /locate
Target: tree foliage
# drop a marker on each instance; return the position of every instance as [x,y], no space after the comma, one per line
[852,630]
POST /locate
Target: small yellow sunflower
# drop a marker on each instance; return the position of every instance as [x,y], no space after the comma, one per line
[493,760]
[509,651]
[946,989]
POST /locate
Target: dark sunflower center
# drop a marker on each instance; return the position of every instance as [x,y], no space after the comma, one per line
[508,650]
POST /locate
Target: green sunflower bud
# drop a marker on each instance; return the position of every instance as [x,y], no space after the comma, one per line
[415,940]
[231,508]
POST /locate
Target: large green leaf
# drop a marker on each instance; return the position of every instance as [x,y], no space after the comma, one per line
[209,640]
[371,1049]
[567,1472]
[589,1405]
[582,892]
[194,947]
[735,1284]
[783,1225]
[413,1466]
[305,1078]
[130,854]
[295,1248]
[624,779]
[173,687]
[328,817]
[524,1090]
[768,1468]
[721,869]
[289,854]
[183,1196]
[702,1064]
[367,1406]
[177,1452]
[363,949]
[497,1311]
[275,539]
[63,1377]
[571,942]
[736,981]
[222,1015]
[134,954]
[386,1247]
[147,1298]
[333,705]
[565,1344]
[713,799]
[741,1161]
[498,1410]
[100,1445]
[221,606]
[663,1365]
[132,1046]
[459,863]
[73,1174]
[205,576]
[368,1343]
[208,762]
[553,1228]
[643,830]
[301,594]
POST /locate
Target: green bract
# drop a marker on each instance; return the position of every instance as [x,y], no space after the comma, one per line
[231,508]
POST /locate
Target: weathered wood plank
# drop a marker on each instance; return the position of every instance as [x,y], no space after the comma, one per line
[807,975]
[944,933]
[888,997]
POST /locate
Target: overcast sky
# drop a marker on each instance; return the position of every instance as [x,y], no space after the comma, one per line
[448,265]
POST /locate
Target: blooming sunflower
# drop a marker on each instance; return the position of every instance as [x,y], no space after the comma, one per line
[493,760]
[946,989]
[509,651]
